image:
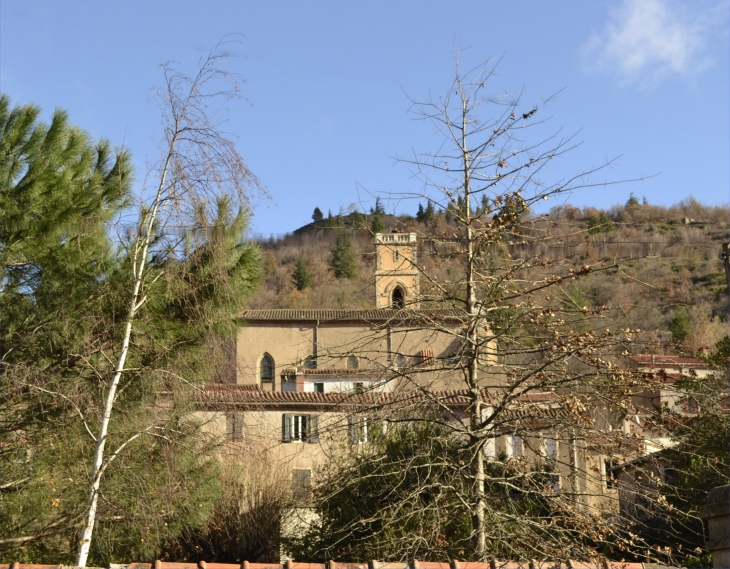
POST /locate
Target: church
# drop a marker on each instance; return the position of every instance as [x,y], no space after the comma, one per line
[311,383]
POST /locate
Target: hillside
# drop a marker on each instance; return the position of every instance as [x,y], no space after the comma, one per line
[670,282]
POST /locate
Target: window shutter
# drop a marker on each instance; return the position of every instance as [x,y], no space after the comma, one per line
[312,429]
[229,427]
[238,427]
[352,430]
[286,427]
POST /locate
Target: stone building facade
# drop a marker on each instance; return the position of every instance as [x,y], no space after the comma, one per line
[309,382]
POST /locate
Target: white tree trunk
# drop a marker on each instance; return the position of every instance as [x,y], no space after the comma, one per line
[139,263]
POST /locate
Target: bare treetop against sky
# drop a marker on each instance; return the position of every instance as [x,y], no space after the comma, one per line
[647,80]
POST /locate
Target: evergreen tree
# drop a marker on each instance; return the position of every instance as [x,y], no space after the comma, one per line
[317,215]
[420,213]
[301,276]
[63,302]
[681,326]
[377,225]
[356,219]
[343,259]
[429,213]
[600,224]
[379,209]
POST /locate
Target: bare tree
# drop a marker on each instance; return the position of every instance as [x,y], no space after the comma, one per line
[200,167]
[529,392]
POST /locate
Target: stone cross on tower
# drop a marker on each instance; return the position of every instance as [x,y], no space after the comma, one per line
[396,275]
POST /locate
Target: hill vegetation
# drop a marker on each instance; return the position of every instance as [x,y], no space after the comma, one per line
[668,277]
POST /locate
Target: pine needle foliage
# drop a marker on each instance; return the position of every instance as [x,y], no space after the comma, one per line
[63,300]
[302,276]
[343,259]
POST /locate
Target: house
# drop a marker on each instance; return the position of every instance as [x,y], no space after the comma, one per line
[309,384]
[665,373]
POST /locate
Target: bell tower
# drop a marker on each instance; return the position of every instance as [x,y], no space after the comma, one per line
[396,275]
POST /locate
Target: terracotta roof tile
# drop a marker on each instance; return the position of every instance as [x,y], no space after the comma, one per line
[415,564]
[371,315]
[667,361]
[332,371]
[527,407]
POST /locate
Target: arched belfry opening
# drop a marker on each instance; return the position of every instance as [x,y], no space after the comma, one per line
[398,298]
[396,270]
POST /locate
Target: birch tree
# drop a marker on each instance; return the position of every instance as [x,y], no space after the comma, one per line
[200,167]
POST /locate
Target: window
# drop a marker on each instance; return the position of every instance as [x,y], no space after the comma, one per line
[400,360]
[553,483]
[359,387]
[301,484]
[611,474]
[266,369]
[396,255]
[397,298]
[300,428]
[310,362]
[490,449]
[515,445]
[319,387]
[358,430]
[234,427]
[352,362]
[288,383]
[551,447]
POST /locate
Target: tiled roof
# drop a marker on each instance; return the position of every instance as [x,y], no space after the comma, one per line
[667,361]
[339,372]
[227,394]
[230,393]
[369,315]
[414,564]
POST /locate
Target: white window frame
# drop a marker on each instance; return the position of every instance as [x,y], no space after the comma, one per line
[358,430]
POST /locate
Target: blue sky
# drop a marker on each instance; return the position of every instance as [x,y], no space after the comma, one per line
[646,80]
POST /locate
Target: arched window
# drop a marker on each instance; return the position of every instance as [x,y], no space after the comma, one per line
[398,298]
[266,369]
[352,362]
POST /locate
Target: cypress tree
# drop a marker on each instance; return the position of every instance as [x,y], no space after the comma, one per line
[301,276]
[377,226]
[429,213]
[343,260]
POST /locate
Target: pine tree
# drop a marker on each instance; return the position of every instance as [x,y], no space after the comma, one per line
[63,304]
[343,260]
[317,215]
[681,326]
[420,213]
[377,225]
[429,213]
[301,276]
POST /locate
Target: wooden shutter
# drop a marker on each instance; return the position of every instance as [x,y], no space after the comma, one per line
[352,430]
[312,431]
[286,427]
[229,427]
[238,427]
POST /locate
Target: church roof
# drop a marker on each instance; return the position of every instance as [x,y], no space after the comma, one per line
[250,393]
[369,315]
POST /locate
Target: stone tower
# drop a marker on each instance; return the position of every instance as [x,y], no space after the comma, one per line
[396,275]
